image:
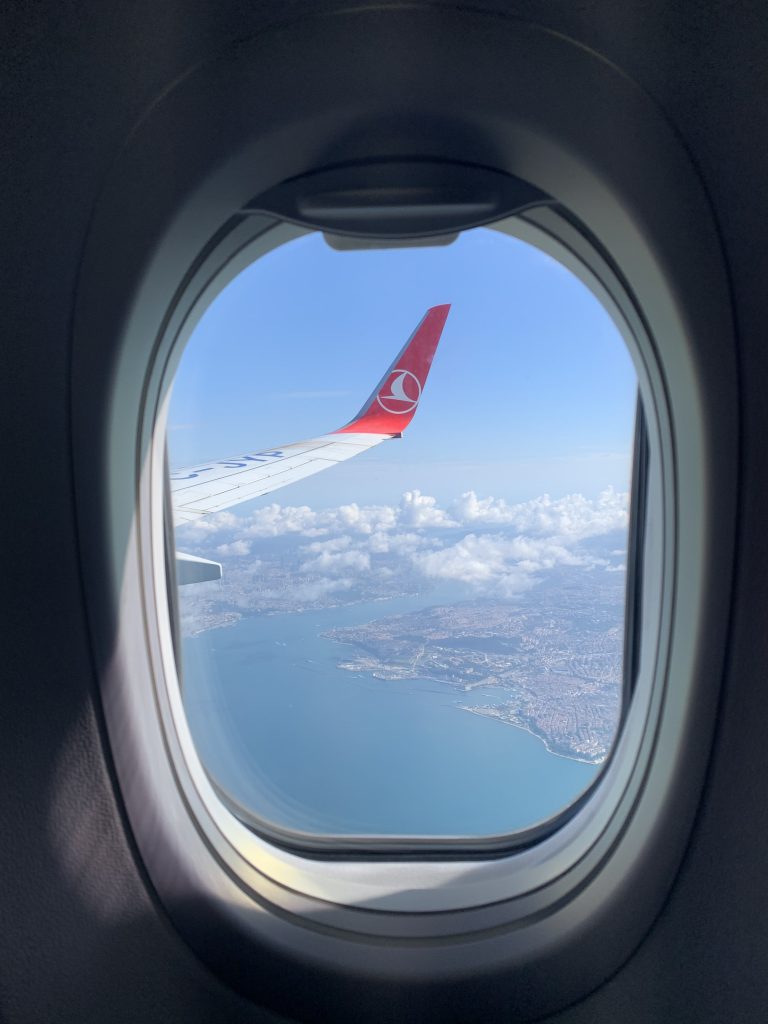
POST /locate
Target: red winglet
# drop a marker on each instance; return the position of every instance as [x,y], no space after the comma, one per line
[395,399]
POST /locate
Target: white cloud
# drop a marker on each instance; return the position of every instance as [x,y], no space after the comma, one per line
[506,547]
[278,520]
[495,563]
[382,543]
[574,516]
[420,510]
[336,555]
[338,562]
[237,548]
[361,519]
[211,524]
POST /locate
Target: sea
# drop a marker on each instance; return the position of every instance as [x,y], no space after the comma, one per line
[308,746]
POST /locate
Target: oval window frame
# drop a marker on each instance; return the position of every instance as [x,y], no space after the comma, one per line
[548,230]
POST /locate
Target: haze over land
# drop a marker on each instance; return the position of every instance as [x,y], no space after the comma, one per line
[528,598]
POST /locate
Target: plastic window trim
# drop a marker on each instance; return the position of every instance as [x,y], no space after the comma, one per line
[422,879]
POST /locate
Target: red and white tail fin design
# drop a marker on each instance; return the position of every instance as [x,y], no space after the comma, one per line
[396,397]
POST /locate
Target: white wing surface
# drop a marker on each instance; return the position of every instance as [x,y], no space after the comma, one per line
[215,486]
[219,485]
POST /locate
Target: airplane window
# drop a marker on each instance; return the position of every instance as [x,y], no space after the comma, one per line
[399,481]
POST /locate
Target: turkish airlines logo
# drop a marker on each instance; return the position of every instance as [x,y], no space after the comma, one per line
[404,392]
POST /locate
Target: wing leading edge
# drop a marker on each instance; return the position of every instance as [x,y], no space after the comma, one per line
[215,486]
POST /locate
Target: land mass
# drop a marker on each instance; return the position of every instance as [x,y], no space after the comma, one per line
[554,658]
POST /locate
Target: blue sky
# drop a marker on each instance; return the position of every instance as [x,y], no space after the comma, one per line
[532,389]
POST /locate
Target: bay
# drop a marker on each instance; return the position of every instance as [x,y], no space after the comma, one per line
[312,747]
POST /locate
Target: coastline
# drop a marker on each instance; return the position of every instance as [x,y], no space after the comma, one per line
[461,707]
[532,732]
[525,727]
[396,676]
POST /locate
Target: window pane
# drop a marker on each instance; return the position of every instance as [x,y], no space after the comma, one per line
[426,638]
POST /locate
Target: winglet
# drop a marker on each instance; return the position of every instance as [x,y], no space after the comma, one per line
[396,397]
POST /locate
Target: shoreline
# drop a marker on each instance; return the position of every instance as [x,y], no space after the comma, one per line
[382,677]
[462,707]
[532,732]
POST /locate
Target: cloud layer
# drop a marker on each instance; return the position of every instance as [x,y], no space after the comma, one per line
[573,517]
[488,545]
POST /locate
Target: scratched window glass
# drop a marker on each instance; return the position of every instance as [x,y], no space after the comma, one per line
[399,481]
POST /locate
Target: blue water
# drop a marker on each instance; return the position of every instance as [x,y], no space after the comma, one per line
[309,746]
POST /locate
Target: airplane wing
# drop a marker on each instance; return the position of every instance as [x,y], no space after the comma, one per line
[215,486]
